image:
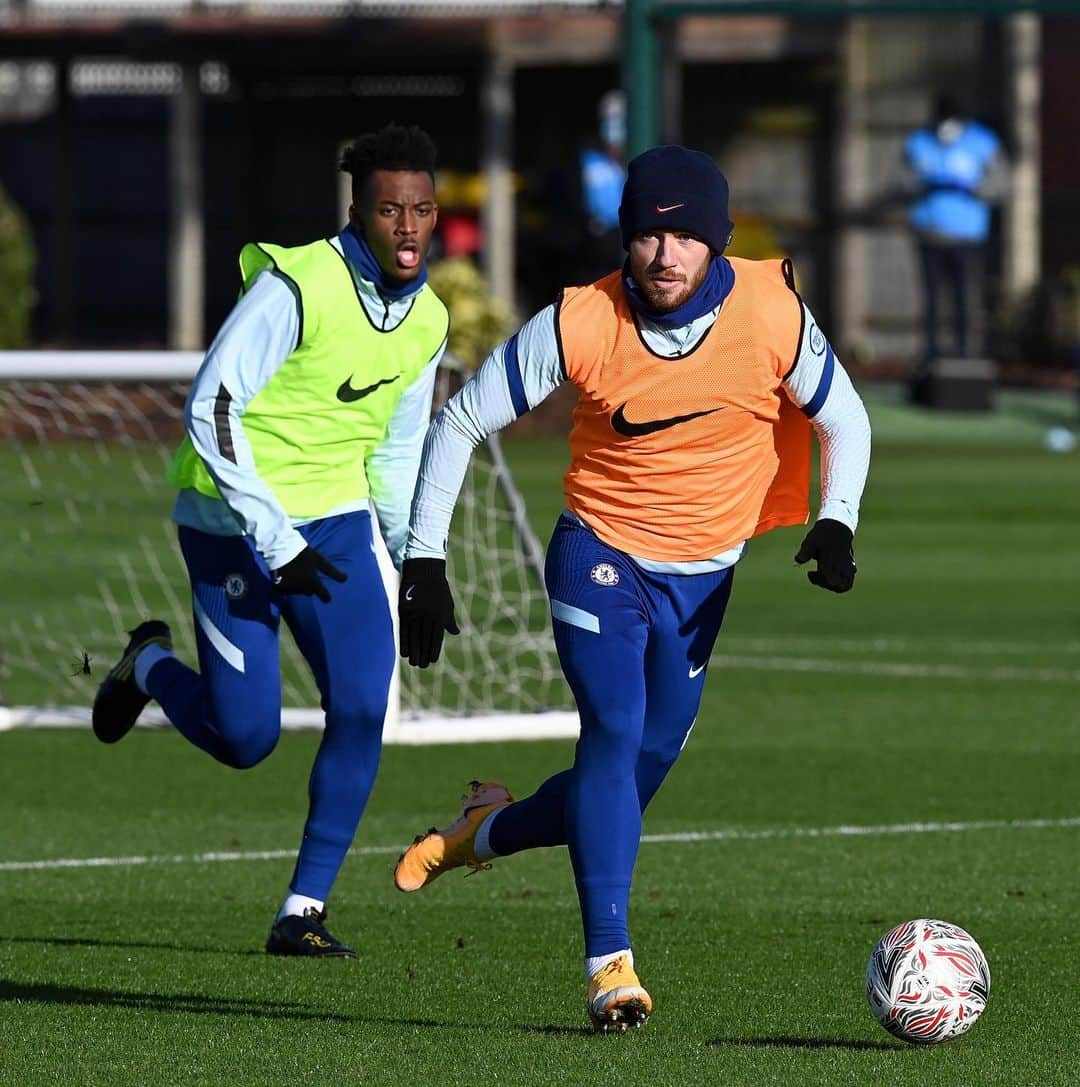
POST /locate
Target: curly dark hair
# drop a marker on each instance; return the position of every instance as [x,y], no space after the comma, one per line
[392,147]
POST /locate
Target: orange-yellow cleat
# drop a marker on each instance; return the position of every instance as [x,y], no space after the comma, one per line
[617,1000]
[438,851]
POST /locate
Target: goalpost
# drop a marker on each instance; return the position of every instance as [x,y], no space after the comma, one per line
[85,438]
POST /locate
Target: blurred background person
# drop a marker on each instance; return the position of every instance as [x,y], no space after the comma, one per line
[955,169]
[602,172]
[580,240]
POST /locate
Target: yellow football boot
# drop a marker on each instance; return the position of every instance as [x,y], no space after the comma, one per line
[438,851]
[617,1000]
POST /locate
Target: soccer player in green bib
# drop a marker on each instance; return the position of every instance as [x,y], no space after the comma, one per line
[312,401]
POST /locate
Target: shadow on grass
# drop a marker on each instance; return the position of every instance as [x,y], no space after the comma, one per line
[17,992]
[783,1041]
[143,945]
[556,1031]
[14,992]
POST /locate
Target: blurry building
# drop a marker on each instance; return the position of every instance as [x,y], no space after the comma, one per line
[148,139]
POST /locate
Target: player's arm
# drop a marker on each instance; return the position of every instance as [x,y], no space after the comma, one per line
[513,379]
[821,387]
[259,334]
[393,464]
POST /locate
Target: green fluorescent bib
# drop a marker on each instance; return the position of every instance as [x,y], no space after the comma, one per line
[313,425]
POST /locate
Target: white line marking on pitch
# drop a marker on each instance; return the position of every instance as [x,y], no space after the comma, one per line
[897,668]
[861,832]
[732,835]
[784,642]
[176,858]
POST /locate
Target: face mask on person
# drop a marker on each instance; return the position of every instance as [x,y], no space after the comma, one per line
[949,130]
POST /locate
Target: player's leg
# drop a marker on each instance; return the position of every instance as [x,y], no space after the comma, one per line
[602,811]
[680,642]
[601,618]
[602,614]
[676,656]
[535,821]
[682,616]
[577,568]
[490,824]
[349,645]
[676,662]
[231,708]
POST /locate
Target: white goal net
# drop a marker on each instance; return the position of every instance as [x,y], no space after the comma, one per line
[89,551]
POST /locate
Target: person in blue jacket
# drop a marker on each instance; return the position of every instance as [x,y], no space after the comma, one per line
[955,169]
[580,241]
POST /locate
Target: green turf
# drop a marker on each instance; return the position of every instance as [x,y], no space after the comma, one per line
[942,690]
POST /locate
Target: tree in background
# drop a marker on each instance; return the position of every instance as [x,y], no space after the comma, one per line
[478,320]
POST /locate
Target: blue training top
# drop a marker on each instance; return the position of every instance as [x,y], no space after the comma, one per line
[602,184]
[951,173]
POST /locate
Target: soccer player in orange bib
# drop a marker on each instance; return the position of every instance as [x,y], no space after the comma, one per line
[700,378]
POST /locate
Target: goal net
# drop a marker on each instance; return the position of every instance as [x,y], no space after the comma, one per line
[85,439]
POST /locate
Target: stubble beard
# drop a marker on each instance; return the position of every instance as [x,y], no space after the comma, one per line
[664,301]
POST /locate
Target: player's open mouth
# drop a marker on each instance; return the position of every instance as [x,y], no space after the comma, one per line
[408,256]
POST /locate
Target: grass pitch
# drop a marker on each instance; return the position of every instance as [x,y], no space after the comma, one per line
[931,712]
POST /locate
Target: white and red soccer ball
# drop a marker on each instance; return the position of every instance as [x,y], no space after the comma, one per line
[927,981]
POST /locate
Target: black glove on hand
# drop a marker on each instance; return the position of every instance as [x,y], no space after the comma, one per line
[301,575]
[830,542]
[425,610]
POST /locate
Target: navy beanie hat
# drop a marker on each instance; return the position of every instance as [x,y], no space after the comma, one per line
[674,188]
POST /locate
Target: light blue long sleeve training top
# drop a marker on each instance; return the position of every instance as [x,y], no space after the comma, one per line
[256,338]
[522,371]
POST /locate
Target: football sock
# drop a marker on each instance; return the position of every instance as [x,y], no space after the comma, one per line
[294,906]
[481,843]
[598,962]
[537,820]
[145,661]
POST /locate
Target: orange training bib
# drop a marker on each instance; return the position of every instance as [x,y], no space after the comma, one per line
[680,459]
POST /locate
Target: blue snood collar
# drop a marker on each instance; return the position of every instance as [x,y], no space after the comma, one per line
[358,253]
[715,287]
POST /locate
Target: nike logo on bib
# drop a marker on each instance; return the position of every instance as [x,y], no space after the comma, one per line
[622,425]
[695,672]
[347,394]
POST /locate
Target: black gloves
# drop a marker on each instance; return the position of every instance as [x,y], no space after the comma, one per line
[301,575]
[830,543]
[425,610]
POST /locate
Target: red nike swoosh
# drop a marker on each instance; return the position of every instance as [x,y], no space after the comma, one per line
[670,207]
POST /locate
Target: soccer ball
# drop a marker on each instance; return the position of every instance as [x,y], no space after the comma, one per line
[927,981]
